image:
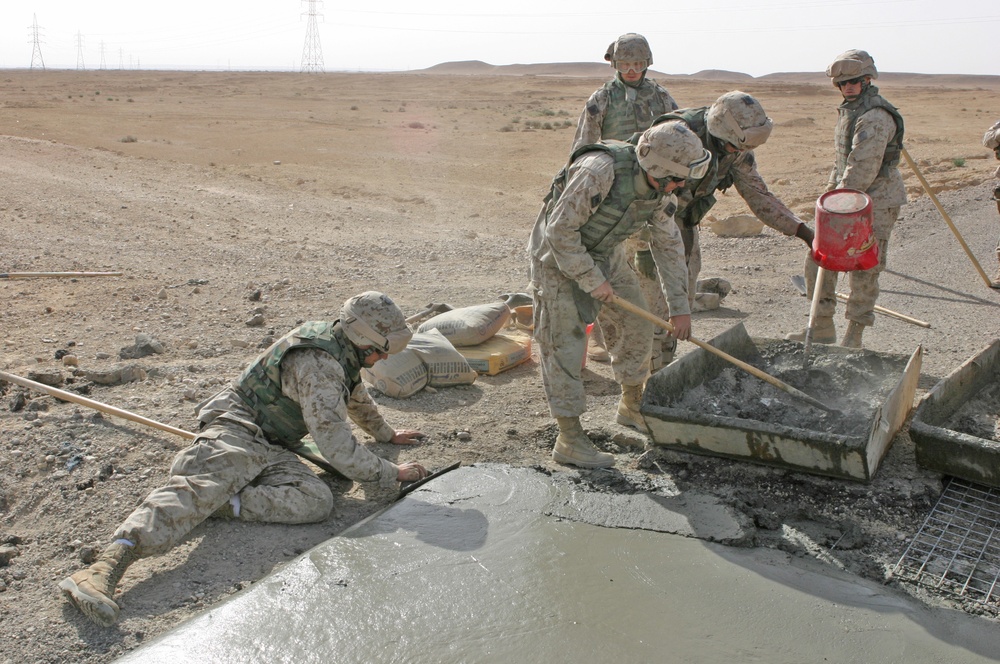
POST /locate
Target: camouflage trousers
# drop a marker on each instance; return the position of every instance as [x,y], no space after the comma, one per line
[230,456]
[560,334]
[864,283]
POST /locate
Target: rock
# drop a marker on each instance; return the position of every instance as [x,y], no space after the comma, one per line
[127,374]
[8,551]
[70,361]
[737,225]
[162,294]
[51,377]
[705,302]
[257,320]
[144,346]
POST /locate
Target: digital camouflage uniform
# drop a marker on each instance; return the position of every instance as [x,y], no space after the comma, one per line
[233,454]
[564,271]
[991,140]
[868,141]
[616,111]
[737,169]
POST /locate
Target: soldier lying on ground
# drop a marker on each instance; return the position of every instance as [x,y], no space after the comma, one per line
[241,464]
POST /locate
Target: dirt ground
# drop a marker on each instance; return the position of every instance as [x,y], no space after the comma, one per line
[225,195]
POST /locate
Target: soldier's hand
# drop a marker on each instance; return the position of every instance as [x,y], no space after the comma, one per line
[644,264]
[406,437]
[604,292]
[682,326]
[411,472]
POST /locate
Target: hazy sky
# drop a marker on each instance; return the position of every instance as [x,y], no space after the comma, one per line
[752,36]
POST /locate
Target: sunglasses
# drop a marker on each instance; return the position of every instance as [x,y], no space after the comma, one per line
[854,81]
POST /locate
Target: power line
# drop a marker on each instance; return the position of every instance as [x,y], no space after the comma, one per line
[312,50]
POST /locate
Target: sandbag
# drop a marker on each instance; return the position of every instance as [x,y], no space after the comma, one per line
[445,365]
[400,376]
[469,326]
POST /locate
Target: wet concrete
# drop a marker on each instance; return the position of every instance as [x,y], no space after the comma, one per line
[701,403]
[490,563]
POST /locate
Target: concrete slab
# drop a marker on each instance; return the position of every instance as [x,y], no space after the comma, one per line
[483,564]
[793,445]
[951,452]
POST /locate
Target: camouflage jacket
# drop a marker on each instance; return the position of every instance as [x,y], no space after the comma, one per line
[727,169]
[616,111]
[868,141]
[558,237]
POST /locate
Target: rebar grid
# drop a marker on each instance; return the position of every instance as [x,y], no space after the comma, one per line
[956,549]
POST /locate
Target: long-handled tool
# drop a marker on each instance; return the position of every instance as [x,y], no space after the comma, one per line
[800,284]
[763,375]
[431,308]
[54,275]
[951,225]
[305,452]
[821,276]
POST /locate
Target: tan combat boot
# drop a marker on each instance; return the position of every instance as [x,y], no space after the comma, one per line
[573,447]
[628,408]
[824,332]
[91,589]
[852,338]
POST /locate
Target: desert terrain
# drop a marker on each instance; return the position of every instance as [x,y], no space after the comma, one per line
[222,197]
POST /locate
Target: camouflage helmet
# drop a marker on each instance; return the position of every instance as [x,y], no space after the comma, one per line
[852,64]
[739,119]
[629,47]
[671,149]
[373,319]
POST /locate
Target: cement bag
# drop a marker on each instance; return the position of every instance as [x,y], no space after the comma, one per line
[469,326]
[401,375]
[445,365]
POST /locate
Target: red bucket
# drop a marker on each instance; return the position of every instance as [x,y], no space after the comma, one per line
[845,237]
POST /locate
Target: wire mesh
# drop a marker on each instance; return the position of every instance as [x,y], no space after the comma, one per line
[956,549]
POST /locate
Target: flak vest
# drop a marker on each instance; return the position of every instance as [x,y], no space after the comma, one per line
[625,116]
[621,212]
[849,112]
[618,216]
[719,175]
[259,385]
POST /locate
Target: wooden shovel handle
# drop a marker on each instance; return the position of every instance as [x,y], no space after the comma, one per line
[785,387]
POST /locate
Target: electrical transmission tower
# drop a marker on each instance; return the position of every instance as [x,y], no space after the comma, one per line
[312,50]
[103,63]
[79,51]
[36,49]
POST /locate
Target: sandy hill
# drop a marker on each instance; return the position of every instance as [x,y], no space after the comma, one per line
[600,70]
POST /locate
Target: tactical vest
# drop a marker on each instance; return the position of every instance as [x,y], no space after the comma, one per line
[850,111]
[626,116]
[719,176]
[260,384]
[621,212]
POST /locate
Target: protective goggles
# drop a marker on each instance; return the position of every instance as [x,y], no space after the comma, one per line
[841,70]
[749,137]
[625,66]
[698,168]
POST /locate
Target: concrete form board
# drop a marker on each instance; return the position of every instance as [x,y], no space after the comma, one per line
[797,448]
[951,452]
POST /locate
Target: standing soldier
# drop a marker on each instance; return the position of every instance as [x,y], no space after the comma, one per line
[606,193]
[626,105]
[991,140]
[869,141]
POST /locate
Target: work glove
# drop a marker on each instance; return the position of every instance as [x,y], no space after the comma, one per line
[805,234]
[644,264]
